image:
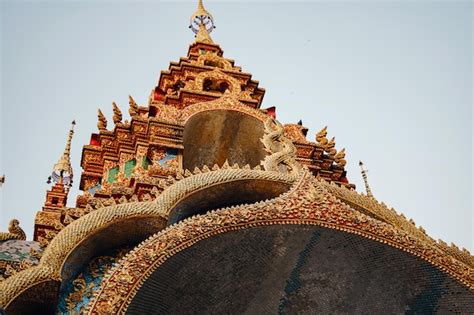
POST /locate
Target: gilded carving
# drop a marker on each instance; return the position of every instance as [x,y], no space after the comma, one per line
[339,158]
[295,133]
[212,59]
[217,75]
[93,158]
[102,121]
[117,113]
[133,109]
[124,136]
[282,151]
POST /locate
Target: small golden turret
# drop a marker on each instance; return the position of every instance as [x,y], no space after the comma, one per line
[321,136]
[339,158]
[330,147]
[202,24]
[366,182]
[133,109]
[117,113]
[62,170]
[102,122]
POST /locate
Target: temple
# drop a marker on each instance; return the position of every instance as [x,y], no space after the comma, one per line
[203,202]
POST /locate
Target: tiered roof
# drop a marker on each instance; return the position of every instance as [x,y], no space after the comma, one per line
[131,160]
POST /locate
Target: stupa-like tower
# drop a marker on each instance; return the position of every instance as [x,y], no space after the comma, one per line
[203,202]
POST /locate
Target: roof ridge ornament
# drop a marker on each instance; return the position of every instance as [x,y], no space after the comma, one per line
[102,121]
[117,113]
[62,170]
[202,24]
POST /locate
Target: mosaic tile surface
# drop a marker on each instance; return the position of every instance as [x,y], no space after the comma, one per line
[76,294]
[17,250]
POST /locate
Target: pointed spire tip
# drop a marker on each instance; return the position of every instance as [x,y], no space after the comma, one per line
[202,24]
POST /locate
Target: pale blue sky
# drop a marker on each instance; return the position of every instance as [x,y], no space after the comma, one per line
[391,79]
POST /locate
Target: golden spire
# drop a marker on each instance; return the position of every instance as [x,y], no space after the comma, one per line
[364,176]
[62,170]
[117,113]
[203,36]
[330,147]
[202,24]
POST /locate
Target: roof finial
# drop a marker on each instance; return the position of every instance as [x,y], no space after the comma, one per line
[339,158]
[321,136]
[102,122]
[62,170]
[117,113]
[133,110]
[364,176]
[202,24]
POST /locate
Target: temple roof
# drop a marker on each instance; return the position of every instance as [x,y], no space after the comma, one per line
[203,183]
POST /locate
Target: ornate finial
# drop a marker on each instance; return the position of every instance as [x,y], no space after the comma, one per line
[330,147]
[117,114]
[62,170]
[202,24]
[102,123]
[321,136]
[364,176]
[339,158]
[133,110]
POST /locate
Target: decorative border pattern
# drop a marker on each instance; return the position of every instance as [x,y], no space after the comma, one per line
[389,215]
[226,102]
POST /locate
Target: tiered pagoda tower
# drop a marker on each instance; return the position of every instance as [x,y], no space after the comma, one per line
[132,159]
[202,202]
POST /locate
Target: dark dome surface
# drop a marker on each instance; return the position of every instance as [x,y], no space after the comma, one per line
[297,269]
